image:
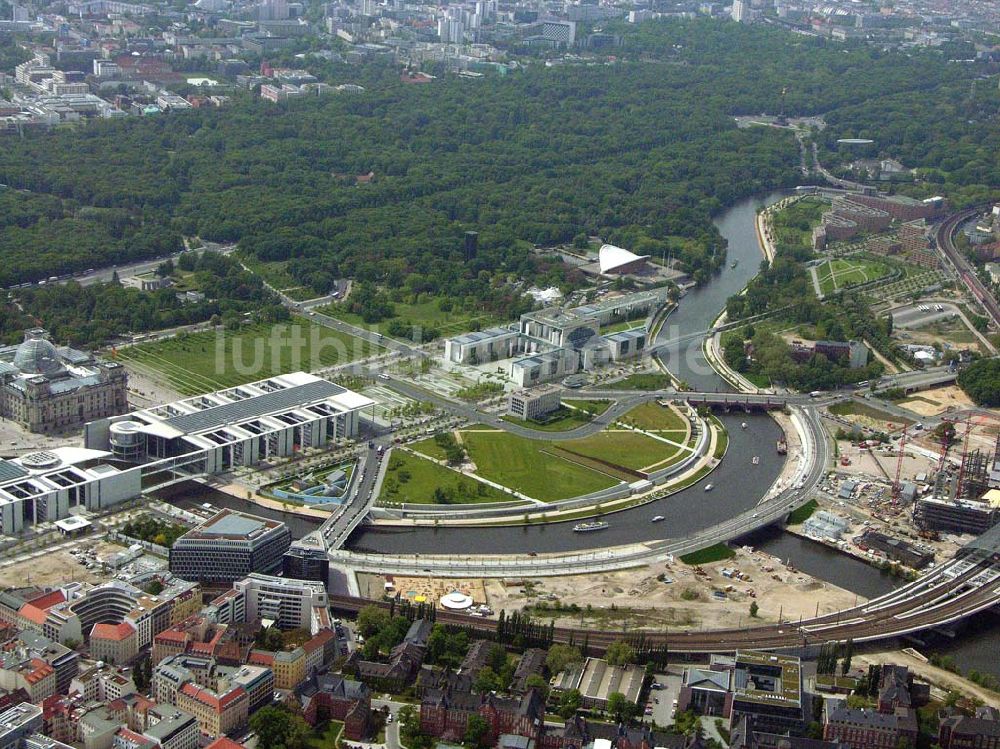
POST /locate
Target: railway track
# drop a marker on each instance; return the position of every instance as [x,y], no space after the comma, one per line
[945,242]
[932,600]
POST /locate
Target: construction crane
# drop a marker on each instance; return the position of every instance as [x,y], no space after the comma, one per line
[965,452]
[897,487]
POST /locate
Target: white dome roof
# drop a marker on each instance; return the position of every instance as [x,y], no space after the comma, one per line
[456,601]
[37,356]
[612,257]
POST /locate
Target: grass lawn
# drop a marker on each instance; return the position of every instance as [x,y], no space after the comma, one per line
[623,325]
[803,513]
[711,554]
[643,381]
[411,478]
[562,420]
[654,417]
[851,408]
[429,448]
[721,440]
[426,314]
[593,407]
[839,273]
[521,464]
[325,736]
[626,449]
[217,359]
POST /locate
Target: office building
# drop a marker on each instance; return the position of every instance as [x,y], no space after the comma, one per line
[17,723]
[762,687]
[48,389]
[71,611]
[281,602]
[229,546]
[114,643]
[303,562]
[535,404]
[955,515]
[217,713]
[239,426]
[482,346]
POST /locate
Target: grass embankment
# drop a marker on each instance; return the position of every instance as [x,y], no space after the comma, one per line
[853,408]
[803,513]
[708,555]
[642,381]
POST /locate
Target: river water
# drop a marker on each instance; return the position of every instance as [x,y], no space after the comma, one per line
[737,487]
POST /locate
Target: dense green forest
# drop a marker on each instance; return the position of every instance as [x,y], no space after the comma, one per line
[91,315]
[638,152]
[950,134]
[981,380]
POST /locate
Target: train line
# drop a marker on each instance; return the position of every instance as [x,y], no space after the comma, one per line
[935,599]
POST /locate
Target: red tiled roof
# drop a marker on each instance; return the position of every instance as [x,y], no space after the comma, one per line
[318,640]
[48,600]
[33,613]
[261,658]
[223,743]
[114,632]
[172,635]
[39,670]
[211,699]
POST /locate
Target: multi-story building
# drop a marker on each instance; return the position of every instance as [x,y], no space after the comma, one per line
[303,562]
[28,644]
[33,675]
[289,668]
[331,697]
[102,684]
[71,611]
[171,728]
[763,687]
[534,404]
[196,635]
[217,713]
[48,389]
[45,486]
[239,426]
[981,731]
[482,346]
[229,546]
[892,724]
[114,643]
[955,515]
[18,722]
[285,603]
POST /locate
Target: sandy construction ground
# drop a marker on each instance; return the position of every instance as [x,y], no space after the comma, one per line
[636,598]
[55,567]
[426,588]
[937,401]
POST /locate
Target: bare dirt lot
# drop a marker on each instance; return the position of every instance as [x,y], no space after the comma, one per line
[418,589]
[55,567]
[937,401]
[636,598]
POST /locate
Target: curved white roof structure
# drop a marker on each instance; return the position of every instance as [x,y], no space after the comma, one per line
[612,258]
[456,601]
